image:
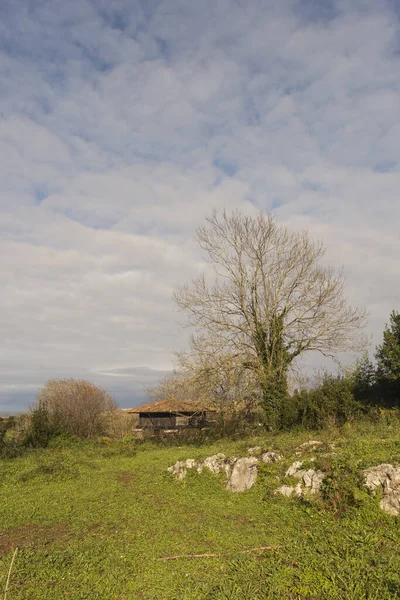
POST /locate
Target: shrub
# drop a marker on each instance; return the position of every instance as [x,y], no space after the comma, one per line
[120,424]
[331,403]
[71,406]
[41,429]
[342,486]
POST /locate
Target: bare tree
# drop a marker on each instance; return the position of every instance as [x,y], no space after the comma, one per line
[270,301]
[231,389]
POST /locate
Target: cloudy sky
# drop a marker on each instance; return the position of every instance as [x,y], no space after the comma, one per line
[124,122]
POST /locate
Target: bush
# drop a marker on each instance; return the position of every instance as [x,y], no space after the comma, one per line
[120,424]
[41,429]
[331,403]
[70,406]
[341,489]
[12,436]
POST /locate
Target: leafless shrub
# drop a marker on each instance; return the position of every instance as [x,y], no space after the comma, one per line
[75,406]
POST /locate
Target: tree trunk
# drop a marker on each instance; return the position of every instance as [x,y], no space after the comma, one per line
[274,393]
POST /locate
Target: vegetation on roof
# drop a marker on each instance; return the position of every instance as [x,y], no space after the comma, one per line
[172,406]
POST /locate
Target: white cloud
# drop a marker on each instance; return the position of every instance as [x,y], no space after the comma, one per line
[123,124]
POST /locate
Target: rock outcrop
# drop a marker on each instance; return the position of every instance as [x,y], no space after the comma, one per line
[241,473]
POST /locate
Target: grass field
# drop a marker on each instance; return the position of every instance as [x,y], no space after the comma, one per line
[93,521]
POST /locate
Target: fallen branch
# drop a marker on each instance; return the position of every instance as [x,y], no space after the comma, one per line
[9,573]
[214,555]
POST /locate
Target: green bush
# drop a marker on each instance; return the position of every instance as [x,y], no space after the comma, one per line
[331,403]
[41,430]
[342,487]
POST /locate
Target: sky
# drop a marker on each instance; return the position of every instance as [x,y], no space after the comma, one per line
[123,123]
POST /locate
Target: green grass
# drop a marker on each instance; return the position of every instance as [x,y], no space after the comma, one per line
[92,521]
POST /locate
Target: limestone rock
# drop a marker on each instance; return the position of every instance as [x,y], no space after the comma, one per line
[292,470]
[271,457]
[288,491]
[388,477]
[254,450]
[240,473]
[297,490]
[310,445]
[243,474]
[228,465]
[375,476]
[285,490]
[215,463]
[312,479]
[178,470]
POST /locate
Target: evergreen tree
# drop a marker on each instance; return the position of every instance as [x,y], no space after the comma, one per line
[364,378]
[388,361]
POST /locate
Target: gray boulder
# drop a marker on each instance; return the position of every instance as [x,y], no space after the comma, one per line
[243,474]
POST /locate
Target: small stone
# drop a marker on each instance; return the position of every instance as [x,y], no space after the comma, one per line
[310,443]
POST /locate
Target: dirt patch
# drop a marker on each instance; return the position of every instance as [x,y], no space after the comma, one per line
[125,478]
[25,535]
